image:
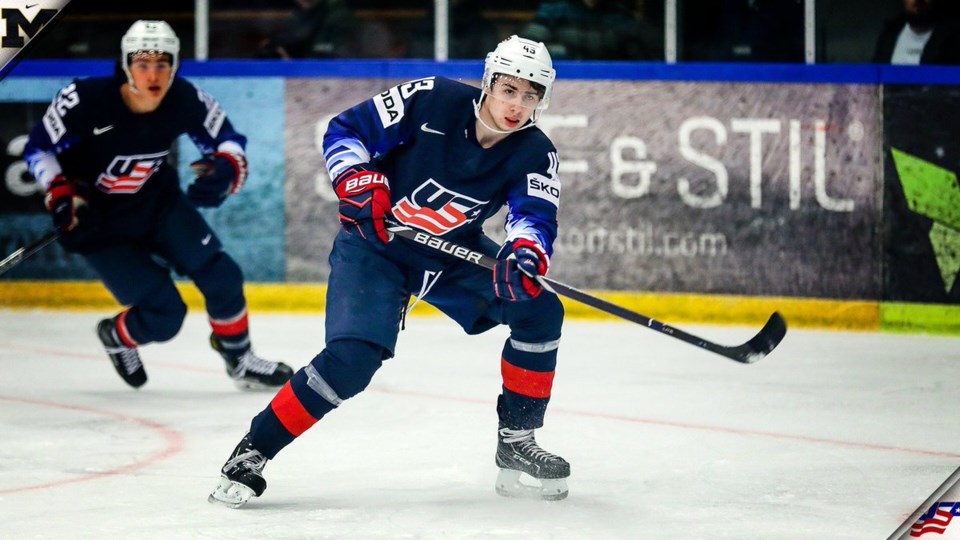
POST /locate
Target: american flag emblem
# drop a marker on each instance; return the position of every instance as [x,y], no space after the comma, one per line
[435,209]
[127,174]
[935,521]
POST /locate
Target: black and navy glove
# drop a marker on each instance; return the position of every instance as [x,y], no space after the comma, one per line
[64,203]
[364,202]
[519,263]
[71,215]
[218,175]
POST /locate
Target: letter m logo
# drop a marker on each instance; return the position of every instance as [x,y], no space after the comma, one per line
[18,25]
[15,21]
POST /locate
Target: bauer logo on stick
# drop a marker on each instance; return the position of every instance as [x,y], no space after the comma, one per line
[21,22]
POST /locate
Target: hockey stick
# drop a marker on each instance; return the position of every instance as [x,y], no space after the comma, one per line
[753,350]
[19,255]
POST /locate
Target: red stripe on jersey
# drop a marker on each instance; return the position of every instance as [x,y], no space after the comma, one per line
[230,327]
[291,412]
[535,384]
[122,329]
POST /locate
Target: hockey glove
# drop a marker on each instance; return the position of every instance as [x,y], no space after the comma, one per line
[364,202]
[218,175]
[63,203]
[518,265]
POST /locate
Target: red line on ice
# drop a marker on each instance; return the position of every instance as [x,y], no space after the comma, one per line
[173,438]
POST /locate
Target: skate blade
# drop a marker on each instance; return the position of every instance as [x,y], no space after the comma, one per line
[229,493]
[550,489]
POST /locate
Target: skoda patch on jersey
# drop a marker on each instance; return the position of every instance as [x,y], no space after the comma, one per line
[215,114]
[66,99]
[389,106]
[546,187]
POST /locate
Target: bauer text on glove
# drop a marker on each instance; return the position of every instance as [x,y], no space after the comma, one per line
[364,202]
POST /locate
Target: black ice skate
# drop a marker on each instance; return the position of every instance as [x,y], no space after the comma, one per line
[125,359]
[518,452]
[249,371]
[241,476]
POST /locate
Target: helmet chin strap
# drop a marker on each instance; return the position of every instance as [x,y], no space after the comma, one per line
[476,112]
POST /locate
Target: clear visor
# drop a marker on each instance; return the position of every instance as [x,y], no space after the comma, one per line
[514,92]
[150,57]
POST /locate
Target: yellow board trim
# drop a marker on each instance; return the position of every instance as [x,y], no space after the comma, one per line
[669,308]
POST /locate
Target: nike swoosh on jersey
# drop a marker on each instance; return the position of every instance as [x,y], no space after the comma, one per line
[206,239]
[425,129]
[101,131]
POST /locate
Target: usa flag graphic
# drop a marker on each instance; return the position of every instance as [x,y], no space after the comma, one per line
[435,209]
[127,174]
[935,521]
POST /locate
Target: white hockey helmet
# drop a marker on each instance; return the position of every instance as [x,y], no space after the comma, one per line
[150,36]
[523,58]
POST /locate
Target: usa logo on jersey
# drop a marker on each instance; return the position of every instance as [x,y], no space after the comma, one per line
[936,521]
[127,174]
[435,209]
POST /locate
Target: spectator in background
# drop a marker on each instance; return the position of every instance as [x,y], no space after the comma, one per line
[924,33]
[592,30]
[317,29]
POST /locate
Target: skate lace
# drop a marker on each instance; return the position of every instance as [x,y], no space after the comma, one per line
[252,362]
[527,443]
[129,357]
[251,459]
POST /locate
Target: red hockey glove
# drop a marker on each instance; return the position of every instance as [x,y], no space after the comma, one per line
[218,175]
[63,202]
[364,202]
[518,265]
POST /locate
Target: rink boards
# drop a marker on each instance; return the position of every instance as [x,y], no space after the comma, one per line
[705,193]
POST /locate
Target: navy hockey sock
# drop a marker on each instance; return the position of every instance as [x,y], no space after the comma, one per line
[527,370]
[232,333]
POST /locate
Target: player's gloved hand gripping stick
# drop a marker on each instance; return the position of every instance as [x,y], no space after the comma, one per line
[364,195]
[753,350]
[519,266]
[218,175]
[69,212]
[63,203]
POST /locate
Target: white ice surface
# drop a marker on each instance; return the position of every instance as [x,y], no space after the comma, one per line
[834,435]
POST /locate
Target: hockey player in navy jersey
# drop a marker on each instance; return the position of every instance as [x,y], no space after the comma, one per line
[101,153]
[439,156]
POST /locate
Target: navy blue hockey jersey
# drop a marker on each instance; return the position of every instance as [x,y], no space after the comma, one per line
[422,136]
[89,135]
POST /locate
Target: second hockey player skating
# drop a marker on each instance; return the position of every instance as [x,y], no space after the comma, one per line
[101,153]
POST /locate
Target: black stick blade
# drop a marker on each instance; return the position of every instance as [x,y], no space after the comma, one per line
[761,344]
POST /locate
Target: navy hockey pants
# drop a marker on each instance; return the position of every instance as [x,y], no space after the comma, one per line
[367,291]
[137,271]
